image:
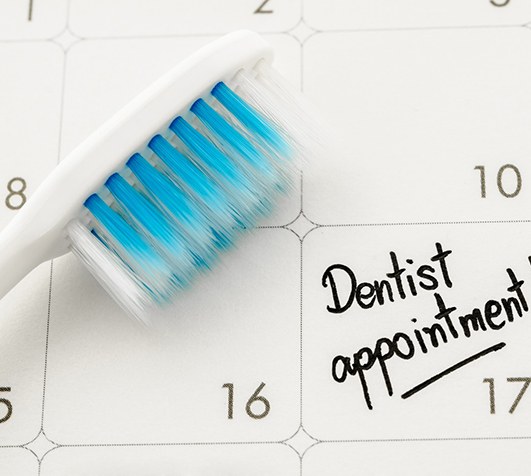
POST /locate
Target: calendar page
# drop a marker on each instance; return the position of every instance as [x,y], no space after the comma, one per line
[378,323]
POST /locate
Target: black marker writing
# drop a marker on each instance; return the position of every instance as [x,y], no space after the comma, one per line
[493,315]
[400,282]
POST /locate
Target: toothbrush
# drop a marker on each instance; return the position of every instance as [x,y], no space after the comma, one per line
[151,198]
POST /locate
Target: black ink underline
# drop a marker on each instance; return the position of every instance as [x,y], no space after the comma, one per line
[440,375]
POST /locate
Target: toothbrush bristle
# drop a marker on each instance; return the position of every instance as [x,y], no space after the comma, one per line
[187,196]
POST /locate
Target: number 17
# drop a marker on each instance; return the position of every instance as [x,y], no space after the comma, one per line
[492,397]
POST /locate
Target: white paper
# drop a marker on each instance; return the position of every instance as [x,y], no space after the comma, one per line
[430,108]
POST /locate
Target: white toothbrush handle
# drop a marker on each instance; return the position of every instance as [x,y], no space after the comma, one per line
[23,246]
[16,260]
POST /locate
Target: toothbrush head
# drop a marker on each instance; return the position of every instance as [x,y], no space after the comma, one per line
[174,179]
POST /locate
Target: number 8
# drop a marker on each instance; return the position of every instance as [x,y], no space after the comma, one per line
[18,192]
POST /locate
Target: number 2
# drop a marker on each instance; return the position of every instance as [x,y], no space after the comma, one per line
[260,9]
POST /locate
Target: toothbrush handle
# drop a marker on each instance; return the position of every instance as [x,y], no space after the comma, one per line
[17,259]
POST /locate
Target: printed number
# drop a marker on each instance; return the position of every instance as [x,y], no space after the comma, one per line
[7,403]
[499,180]
[492,396]
[525,381]
[260,9]
[230,388]
[500,3]
[250,406]
[255,397]
[15,198]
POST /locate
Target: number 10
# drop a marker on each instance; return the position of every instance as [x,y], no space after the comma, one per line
[499,180]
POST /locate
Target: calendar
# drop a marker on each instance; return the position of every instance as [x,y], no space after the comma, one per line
[378,323]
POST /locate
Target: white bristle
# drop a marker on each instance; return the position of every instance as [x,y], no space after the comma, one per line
[110,271]
[269,92]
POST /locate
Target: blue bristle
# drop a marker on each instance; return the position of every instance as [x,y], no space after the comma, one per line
[153,222]
[236,144]
[250,117]
[187,213]
[174,199]
[124,234]
[216,162]
[228,135]
[214,201]
[234,179]
[191,176]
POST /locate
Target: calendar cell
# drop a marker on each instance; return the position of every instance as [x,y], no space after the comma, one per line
[18,462]
[431,126]
[32,19]
[221,365]
[23,330]
[29,120]
[207,460]
[167,17]
[384,14]
[417,331]
[429,458]
[93,94]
